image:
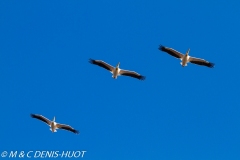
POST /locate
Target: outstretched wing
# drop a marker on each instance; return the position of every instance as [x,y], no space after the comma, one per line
[67,127]
[171,51]
[102,64]
[42,118]
[202,62]
[131,74]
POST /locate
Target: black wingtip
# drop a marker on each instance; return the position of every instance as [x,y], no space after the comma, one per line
[211,65]
[32,115]
[142,78]
[91,60]
[76,132]
[161,47]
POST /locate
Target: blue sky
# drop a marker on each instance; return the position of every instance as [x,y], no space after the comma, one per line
[176,113]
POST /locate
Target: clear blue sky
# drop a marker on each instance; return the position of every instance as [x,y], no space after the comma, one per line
[176,113]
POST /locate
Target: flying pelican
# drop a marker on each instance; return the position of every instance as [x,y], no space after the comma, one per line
[185,58]
[53,125]
[117,71]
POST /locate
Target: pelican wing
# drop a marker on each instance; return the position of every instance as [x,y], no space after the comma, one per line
[201,62]
[170,51]
[40,117]
[102,64]
[131,74]
[67,127]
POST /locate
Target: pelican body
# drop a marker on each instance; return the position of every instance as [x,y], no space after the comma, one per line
[185,59]
[53,125]
[116,71]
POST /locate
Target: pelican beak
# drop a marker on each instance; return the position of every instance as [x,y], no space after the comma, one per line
[54,119]
[118,64]
[188,51]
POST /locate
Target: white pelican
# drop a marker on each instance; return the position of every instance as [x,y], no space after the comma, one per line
[116,71]
[53,125]
[186,58]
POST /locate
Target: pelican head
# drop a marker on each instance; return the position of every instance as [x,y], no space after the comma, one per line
[188,51]
[118,65]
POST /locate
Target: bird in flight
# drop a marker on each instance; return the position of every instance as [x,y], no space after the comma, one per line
[53,125]
[116,71]
[185,58]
